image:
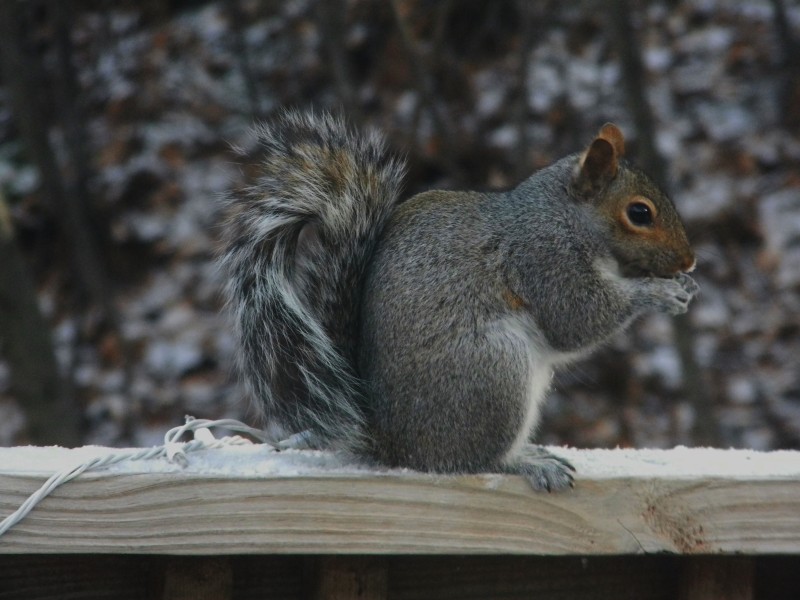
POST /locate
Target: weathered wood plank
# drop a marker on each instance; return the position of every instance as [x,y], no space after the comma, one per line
[350,578]
[206,578]
[250,501]
[425,577]
[653,577]
[715,577]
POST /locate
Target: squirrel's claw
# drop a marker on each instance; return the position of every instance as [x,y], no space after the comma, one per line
[543,470]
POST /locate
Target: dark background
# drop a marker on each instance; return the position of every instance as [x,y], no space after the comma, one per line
[116,122]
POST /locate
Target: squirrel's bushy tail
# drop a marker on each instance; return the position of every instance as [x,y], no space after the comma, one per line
[295,249]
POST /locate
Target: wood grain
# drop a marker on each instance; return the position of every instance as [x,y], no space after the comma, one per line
[197,511]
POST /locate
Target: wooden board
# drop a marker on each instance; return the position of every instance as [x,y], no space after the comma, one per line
[250,501]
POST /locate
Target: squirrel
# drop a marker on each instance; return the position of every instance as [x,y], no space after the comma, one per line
[424,334]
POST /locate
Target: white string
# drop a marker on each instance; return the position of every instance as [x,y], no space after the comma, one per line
[173,450]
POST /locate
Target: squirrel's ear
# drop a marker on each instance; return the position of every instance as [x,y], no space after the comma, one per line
[613,135]
[600,163]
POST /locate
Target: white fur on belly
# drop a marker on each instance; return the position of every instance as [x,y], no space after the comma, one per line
[516,331]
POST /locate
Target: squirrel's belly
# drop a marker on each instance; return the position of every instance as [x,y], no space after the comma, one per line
[539,379]
[515,334]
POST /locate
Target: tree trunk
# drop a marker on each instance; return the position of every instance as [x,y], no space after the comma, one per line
[25,343]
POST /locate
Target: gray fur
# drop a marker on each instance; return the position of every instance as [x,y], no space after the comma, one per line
[456,376]
[425,334]
[295,248]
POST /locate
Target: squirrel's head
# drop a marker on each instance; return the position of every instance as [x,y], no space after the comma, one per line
[647,235]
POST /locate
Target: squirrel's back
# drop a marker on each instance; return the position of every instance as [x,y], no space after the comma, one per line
[295,248]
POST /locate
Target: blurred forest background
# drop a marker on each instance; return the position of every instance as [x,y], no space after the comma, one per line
[116,122]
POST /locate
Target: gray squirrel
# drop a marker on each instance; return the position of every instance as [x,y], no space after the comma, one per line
[424,334]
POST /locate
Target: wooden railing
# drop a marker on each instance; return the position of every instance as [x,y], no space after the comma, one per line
[248,522]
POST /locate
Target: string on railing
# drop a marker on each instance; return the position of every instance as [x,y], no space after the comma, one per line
[172,449]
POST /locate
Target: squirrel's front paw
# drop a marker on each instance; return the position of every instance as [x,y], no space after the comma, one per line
[671,296]
[689,285]
[684,289]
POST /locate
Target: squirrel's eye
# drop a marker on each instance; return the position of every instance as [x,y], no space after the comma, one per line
[640,214]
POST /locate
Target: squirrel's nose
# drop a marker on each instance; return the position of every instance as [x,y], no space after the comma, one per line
[688,264]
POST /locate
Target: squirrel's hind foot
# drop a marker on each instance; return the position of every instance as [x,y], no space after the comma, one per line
[543,470]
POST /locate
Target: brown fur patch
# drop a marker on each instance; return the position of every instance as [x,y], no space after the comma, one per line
[513,301]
